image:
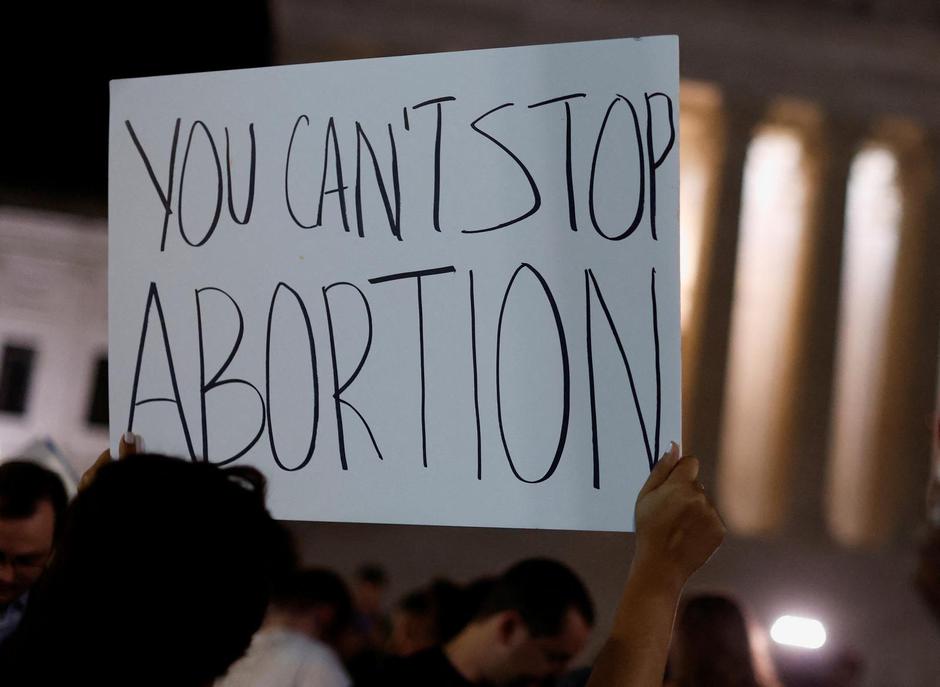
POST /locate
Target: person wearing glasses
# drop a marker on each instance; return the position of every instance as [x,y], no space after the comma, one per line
[32,506]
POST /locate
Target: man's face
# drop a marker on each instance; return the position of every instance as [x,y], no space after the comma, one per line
[25,547]
[369,597]
[535,660]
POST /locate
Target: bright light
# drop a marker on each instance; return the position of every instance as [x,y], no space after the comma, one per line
[792,630]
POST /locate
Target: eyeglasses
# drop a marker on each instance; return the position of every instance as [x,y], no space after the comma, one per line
[28,562]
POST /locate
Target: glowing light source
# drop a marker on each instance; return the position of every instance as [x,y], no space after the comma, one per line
[805,633]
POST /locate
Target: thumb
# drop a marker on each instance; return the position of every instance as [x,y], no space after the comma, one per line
[661,470]
[685,471]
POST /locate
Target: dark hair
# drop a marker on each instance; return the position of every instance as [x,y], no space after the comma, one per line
[443,603]
[476,592]
[24,485]
[714,647]
[305,589]
[541,591]
[162,575]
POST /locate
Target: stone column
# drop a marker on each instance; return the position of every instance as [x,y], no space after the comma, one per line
[705,340]
[907,393]
[807,402]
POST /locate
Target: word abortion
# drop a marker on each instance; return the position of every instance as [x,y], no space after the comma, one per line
[286,302]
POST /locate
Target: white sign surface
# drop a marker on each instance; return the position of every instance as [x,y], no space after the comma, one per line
[439,289]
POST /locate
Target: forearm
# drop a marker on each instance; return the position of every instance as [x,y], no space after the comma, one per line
[635,653]
[677,530]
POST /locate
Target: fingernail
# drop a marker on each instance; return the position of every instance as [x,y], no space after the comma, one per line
[673,453]
[129,438]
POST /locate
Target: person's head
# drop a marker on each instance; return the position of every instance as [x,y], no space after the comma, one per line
[161,576]
[537,617]
[32,505]
[713,645]
[413,624]
[427,617]
[314,601]
[370,584]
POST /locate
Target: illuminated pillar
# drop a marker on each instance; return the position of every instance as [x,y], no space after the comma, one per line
[774,253]
[881,443]
[705,327]
[700,143]
[805,423]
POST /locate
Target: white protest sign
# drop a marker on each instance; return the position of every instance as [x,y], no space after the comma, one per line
[439,289]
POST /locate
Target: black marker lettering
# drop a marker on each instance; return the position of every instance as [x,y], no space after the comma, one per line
[218,200]
[417,277]
[476,384]
[652,451]
[251,178]
[566,376]
[340,188]
[394,219]
[437,154]
[267,379]
[642,191]
[536,197]
[290,148]
[655,162]
[338,400]
[217,381]
[166,198]
[153,300]
[569,177]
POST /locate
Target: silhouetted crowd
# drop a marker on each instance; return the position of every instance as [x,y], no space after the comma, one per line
[163,571]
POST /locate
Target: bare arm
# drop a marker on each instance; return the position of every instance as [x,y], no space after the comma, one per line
[677,531]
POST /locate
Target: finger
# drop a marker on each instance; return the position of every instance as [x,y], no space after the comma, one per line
[129,445]
[101,461]
[662,469]
[90,473]
[686,470]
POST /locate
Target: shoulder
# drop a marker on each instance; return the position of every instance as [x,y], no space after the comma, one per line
[320,665]
[280,657]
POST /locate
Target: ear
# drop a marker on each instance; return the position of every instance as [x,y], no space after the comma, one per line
[510,627]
